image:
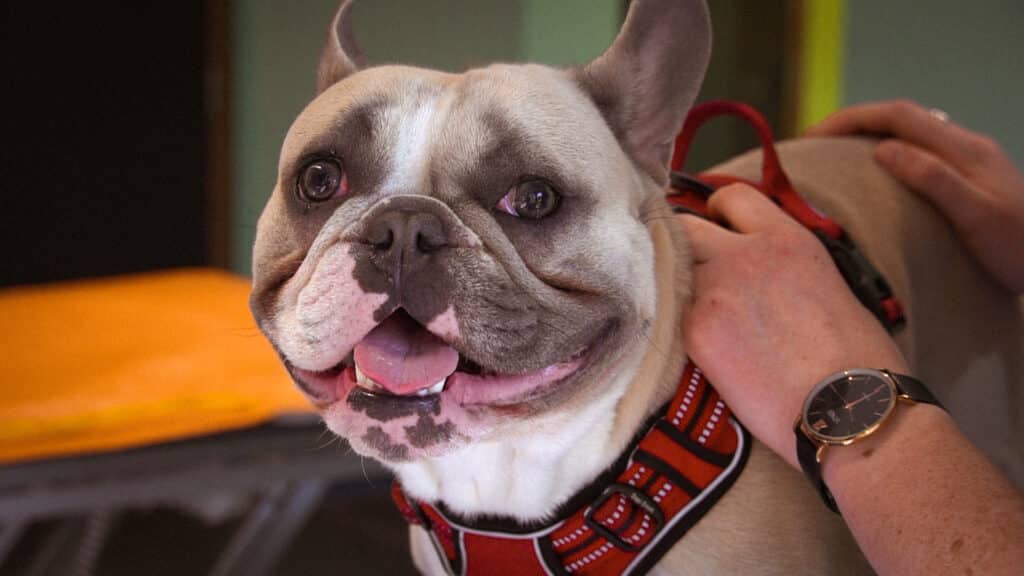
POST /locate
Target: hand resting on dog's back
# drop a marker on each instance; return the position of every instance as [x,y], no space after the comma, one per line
[966,175]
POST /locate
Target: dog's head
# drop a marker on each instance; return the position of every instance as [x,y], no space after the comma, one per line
[453,258]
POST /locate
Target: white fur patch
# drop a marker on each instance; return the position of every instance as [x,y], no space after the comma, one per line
[411,150]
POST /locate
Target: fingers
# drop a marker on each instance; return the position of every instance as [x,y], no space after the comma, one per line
[931,177]
[705,237]
[747,210]
[915,124]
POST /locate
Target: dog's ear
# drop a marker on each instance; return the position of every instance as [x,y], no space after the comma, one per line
[646,81]
[341,55]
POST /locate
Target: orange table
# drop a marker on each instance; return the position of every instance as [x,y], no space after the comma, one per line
[152,388]
[100,365]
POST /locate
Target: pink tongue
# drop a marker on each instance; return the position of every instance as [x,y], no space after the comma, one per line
[404,357]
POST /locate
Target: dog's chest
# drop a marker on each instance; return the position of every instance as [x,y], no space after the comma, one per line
[621,523]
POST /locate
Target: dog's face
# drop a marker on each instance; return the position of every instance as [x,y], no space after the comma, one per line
[451,258]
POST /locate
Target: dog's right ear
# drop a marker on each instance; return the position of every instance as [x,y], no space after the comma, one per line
[648,78]
[341,55]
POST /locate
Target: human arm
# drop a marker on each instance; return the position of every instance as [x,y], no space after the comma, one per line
[966,175]
[772,317]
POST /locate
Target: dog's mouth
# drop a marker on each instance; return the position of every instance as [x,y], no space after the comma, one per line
[401,361]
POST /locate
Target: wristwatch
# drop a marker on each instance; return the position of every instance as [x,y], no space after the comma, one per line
[845,408]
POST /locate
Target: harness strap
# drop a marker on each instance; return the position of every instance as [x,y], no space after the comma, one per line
[690,195]
[688,458]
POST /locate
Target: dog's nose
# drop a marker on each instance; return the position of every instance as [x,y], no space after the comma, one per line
[405,238]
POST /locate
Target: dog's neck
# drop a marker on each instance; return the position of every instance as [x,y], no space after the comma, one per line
[525,477]
[529,475]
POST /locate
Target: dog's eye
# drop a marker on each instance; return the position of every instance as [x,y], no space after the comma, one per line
[321,180]
[532,199]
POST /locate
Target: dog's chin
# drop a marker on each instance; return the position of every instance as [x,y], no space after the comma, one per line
[473,403]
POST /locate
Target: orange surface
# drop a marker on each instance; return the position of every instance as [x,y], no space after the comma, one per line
[99,365]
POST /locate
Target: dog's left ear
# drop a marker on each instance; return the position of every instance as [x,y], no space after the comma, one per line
[341,55]
[646,81]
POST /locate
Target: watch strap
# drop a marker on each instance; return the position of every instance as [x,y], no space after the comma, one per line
[807,455]
[914,389]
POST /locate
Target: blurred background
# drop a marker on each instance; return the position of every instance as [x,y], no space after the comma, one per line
[144,137]
[138,140]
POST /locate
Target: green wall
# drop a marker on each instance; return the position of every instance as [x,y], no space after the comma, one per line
[274,75]
[277,44]
[966,58]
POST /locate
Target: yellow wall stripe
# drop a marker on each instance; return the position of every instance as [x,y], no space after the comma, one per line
[821,60]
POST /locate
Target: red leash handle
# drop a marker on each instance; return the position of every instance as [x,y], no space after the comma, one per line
[690,195]
[774,182]
[772,176]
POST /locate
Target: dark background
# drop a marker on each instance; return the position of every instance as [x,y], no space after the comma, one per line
[105,131]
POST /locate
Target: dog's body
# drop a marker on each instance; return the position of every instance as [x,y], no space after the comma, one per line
[504,230]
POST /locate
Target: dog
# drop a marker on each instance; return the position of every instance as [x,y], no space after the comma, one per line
[477,281]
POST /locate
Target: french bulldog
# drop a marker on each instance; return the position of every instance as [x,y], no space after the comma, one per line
[477,281]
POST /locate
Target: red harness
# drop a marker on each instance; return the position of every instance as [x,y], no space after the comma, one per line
[687,456]
[626,520]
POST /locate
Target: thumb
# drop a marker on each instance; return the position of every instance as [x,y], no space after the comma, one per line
[705,237]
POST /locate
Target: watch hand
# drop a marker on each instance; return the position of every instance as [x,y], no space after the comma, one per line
[867,395]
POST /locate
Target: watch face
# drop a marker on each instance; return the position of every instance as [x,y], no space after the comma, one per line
[849,405]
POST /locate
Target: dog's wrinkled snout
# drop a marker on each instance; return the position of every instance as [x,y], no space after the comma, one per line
[405,239]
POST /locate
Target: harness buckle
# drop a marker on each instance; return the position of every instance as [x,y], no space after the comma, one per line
[864,280]
[639,498]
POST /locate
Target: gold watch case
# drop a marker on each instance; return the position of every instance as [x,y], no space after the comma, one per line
[848,406]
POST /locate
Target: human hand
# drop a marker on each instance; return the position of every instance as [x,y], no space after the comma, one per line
[966,175]
[772,316]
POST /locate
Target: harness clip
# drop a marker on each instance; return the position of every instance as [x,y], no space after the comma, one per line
[864,280]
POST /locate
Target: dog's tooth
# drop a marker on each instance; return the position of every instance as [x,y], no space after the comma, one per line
[437,388]
[361,378]
[365,381]
[431,390]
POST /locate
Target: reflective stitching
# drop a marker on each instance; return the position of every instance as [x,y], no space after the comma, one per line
[589,558]
[665,489]
[691,389]
[712,422]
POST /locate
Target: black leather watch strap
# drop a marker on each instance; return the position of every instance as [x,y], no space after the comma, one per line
[807,455]
[914,389]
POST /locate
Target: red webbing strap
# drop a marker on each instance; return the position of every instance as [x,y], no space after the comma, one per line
[678,470]
[690,194]
[774,182]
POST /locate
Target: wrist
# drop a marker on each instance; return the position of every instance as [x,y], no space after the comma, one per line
[864,464]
